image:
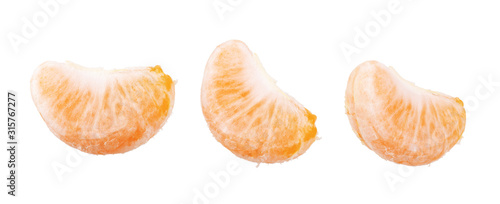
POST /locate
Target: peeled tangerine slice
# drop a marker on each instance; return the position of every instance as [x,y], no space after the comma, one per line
[248,113]
[399,121]
[102,111]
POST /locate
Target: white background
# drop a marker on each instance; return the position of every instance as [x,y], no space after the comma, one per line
[446,46]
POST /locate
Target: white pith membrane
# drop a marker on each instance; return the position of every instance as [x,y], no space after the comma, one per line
[262,93]
[95,118]
[423,102]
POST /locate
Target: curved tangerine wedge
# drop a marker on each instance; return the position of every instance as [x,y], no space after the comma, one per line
[102,111]
[248,113]
[399,121]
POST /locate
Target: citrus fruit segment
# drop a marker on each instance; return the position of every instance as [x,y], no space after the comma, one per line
[248,113]
[102,111]
[398,120]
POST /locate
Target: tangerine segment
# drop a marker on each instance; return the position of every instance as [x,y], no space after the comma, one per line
[248,113]
[102,111]
[398,120]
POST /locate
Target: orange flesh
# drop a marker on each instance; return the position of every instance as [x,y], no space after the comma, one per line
[247,113]
[102,112]
[399,121]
